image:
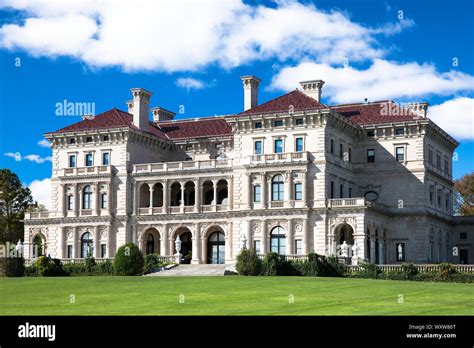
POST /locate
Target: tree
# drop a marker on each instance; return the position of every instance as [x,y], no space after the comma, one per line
[14,200]
[464,195]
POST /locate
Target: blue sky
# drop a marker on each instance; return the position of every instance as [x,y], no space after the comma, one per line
[193,55]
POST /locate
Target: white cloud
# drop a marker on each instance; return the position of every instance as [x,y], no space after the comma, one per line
[44,143]
[33,158]
[455,116]
[41,192]
[183,35]
[190,83]
[382,80]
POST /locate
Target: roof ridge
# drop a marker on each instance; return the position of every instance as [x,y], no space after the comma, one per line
[120,116]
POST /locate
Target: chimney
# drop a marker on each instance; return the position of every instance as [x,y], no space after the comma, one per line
[250,91]
[419,108]
[140,108]
[312,88]
[161,114]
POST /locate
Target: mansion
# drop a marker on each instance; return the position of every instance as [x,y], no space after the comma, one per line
[368,182]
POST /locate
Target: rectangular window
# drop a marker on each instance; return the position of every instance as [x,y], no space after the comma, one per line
[72,141]
[446,202]
[299,145]
[89,160]
[258,150]
[218,145]
[278,146]
[256,193]
[438,161]
[103,250]
[341,191]
[69,202]
[438,198]
[298,191]
[106,138]
[463,235]
[72,161]
[331,148]
[105,159]
[332,190]
[400,153]
[370,155]
[103,200]
[69,252]
[256,246]
[446,166]
[431,194]
[350,192]
[278,123]
[430,156]
[258,125]
[299,122]
[277,191]
[88,139]
[298,247]
[350,155]
[189,147]
[400,248]
[370,133]
[399,131]
[341,150]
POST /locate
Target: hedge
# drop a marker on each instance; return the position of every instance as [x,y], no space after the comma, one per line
[128,260]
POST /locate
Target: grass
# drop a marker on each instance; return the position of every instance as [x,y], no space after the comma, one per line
[231,295]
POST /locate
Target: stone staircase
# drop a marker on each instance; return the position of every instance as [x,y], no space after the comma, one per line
[191,271]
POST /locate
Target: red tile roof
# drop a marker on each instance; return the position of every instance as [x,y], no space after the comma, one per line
[296,98]
[113,118]
[373,113]
[196,129]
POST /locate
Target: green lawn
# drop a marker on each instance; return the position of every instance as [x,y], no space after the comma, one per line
[231,295]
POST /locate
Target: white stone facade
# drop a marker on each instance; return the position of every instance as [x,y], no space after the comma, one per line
[311,187]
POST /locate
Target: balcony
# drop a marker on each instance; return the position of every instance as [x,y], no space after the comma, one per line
[280,157]
[183,209]
[358,202]
[95,170]
[184,165]
[37,215]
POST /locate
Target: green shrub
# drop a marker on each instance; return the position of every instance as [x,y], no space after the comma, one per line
[272,264]
[369,270]
[90,264]
[446,270]
[76,269]
[331,267]
[14,266]
[248,263]
[48,267]
[152,262]
[31,271]
[128,260]
[42,264]
[409,270]
[104,268]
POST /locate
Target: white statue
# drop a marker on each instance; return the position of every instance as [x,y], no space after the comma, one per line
[355,250]
[344,249]
[177,245]
[243,240]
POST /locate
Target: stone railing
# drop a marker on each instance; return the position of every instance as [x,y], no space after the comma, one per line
[180,209]
[334,203]
[183,165]
[280,157]
[93,170]
[421,268]
[37,215]
[31,261]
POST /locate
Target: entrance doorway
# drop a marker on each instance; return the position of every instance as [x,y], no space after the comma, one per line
[463,257]
[186,246]
[216,248]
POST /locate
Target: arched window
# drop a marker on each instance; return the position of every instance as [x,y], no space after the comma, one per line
[277,188]
[216,248]
[87,245]
[38,246]
[87,197]
[278,240]
[150,244]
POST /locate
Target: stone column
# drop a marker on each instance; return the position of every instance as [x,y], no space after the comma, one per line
[305,189]
[151,186]
[228,243]
[263,243]
[263,191]
[96,252]
[97,198]
[269,192]
[290,238]
[136,198]
[249,191]
[197,196]
[110,198]
[195,239]
[76,200]
[372,249]
[63,200]
[203,250]
[230,190]
[381,252]
[165,197]
[110,250]
[62,243]
[76,245]
[304,240]
[214,185]
[182,196]
[163,239]
[287,187]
